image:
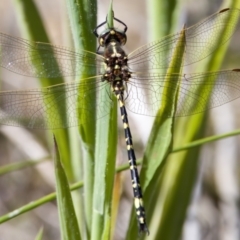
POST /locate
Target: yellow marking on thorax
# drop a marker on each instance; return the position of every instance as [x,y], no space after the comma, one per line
[115,53]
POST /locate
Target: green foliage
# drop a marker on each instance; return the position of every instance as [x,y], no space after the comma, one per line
[39,235]
[68,220]
[168,181]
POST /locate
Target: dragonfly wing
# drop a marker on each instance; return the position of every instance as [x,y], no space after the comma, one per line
[203,91]
[145,92]
[55,107]
[35,59]
[200,41]
[198,92]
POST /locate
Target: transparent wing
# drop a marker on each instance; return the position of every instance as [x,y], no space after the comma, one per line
[198,92]
[37,59]
[40,108]
[200,41]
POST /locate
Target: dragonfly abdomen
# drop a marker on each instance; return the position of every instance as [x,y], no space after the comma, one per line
[137,191]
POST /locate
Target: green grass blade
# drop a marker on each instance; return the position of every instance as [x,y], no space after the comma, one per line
[105,152]
[106,149]
[39,235]
[160,140]
[168,17]
[32,26]
[163,125]
[206,140]
[67,216]
[180,174]
[83,18]
[123,167]
[20,165]
[34,204]
[110,16]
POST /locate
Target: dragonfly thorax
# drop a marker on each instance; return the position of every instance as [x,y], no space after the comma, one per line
[112,35]
[116,69]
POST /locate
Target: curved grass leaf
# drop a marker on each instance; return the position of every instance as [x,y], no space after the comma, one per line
[206,140]
[33,28]
[110,16]
[67,216]
[106,149]
[105,155]
[39,235]
[34,204]
[20,165]
[124,167]
[180,173]
[160,140]
[168,17]
[82,17]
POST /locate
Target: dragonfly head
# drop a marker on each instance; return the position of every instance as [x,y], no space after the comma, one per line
[112,35]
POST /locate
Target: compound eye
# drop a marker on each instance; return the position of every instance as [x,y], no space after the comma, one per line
[124,40]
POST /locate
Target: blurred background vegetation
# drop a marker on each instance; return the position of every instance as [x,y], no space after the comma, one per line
[211,174]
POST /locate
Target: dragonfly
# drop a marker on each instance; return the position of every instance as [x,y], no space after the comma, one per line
[137,80]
